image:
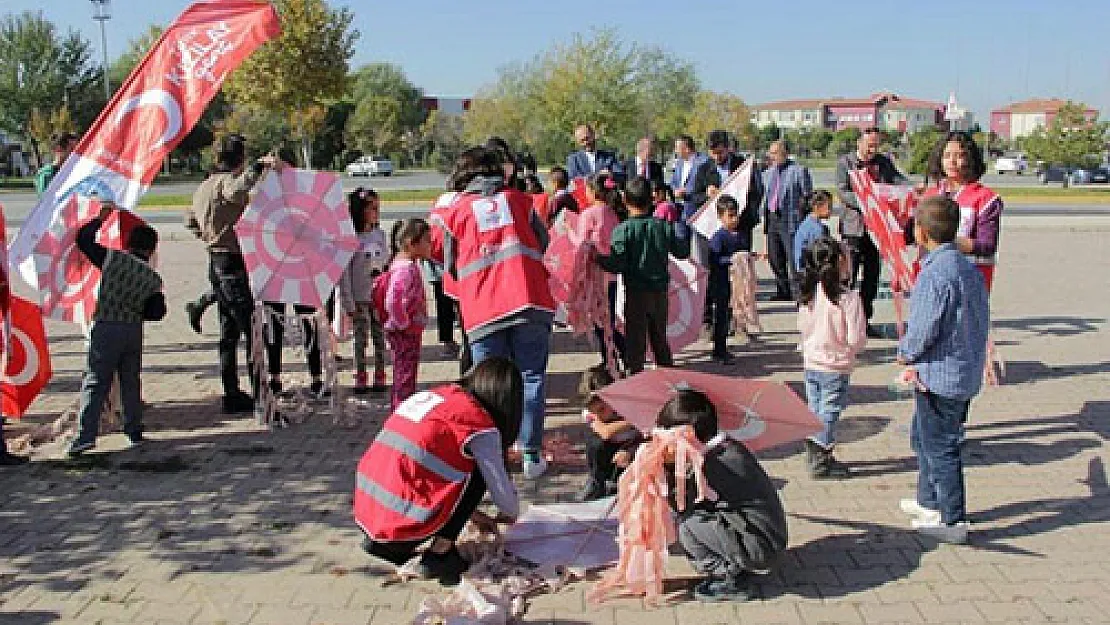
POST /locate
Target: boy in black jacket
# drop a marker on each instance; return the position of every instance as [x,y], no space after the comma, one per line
[744,530]
[130,293]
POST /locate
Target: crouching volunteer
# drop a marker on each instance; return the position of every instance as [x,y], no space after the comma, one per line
[432,462]
[491,244]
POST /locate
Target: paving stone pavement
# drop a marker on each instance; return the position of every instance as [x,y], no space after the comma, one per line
[215,521]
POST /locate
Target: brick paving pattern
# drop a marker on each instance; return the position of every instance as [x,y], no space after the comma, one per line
[216,522]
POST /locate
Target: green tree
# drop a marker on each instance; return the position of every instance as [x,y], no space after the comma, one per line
[330,144]
[844,141]
[375,125]
[387,113]
[623,90]
[819,140]
[717,111]
[137,48]
[302,70]
[445,135]
[768,134]
[922,143]
[1071,140]
[42,69]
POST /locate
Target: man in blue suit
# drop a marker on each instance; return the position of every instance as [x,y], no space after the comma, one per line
[786,185]
[590,160]
[687,163]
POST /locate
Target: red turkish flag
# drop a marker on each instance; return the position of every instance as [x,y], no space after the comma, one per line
[886,208]
[578,191]
[27,362]
[150,114]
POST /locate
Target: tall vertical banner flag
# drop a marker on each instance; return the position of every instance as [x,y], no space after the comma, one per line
[26,361]
[153,110]
[705,220]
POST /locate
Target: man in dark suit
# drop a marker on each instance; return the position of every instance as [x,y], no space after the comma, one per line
[643,165]
[590,160]
[707,183]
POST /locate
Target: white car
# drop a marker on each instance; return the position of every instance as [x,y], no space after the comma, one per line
[1011,164]
[371,166]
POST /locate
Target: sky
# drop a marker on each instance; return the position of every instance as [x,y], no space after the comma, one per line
[989,52]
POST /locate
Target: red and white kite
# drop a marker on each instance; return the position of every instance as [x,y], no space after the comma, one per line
[705,220]
[69,283]
[886,209]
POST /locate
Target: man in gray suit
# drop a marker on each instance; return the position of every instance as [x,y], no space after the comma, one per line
[786,185]
[590,160]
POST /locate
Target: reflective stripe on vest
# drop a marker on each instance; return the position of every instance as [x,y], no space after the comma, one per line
[407,509]
[501,255]
[420,456]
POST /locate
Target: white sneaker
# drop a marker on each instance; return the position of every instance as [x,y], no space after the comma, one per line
[955,533]
[534,466]
[918,511]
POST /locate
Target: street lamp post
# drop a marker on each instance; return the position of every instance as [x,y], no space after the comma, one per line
[102,12]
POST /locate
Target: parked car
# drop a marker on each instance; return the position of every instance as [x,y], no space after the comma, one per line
[1090,175]
[1053,173]
[371,166]
[1011,164]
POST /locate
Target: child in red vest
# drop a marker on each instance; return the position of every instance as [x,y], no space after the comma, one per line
[432,463]
[405,304]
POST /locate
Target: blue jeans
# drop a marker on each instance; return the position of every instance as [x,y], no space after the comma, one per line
[827,393]
[114,348]
[527,345]
[938,425]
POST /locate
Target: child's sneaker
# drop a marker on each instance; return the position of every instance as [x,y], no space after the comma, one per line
[535,465]
[918,511]
[955,533]
[731,588]
[362,383]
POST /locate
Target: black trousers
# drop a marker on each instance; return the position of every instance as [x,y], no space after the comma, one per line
[780,252]
[645,319]
[275,340]
[445,313]
[400,551]
[865,255]
[228,276]
[599,456]
[618,338]
[720,294]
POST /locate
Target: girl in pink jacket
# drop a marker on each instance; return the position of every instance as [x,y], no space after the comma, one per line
[834,330]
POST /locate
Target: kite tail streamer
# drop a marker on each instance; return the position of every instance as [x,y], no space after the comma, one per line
[265,403]
[992,376]
[646,522]
[588,305]
[744,311]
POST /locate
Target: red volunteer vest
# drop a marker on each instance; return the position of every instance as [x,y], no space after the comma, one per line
[972,198]
[499,264]
[412,476]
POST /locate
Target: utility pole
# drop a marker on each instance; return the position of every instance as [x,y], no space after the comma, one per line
[102,12]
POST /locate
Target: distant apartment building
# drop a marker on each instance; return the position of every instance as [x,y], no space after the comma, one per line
[1020,119]
[453,106]
[888,111]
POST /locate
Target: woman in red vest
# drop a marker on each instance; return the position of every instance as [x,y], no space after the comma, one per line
[491,244]
[957,162]
[432,462]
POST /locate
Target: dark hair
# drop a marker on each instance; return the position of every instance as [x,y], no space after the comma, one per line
[356,202]
[605,188]
[532,184]
[596,378]
[690,407]
[689,141]
[813,198]
[871,130]
[506,155]
[975,167]
[406,232]
[637,192]
[939,217]
[142,238]
[658,186]
[725,203]
[559,177]
[717,139]
[472,163]
[231,151]
[64,141]
[821,265]
[497,386]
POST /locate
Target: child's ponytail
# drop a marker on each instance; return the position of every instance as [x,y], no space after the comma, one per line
[821,265]
[605,188]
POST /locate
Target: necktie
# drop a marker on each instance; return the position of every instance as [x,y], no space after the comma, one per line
[775,192]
